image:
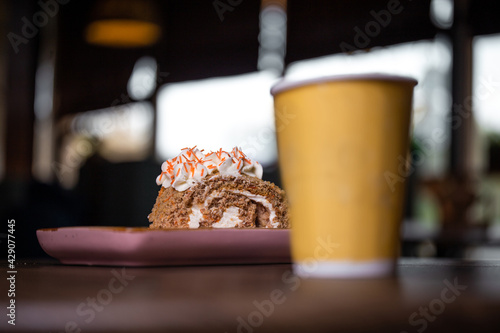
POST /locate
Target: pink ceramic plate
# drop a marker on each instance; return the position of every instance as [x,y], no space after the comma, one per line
[121,246]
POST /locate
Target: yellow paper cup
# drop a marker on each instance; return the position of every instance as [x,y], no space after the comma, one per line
[341,141]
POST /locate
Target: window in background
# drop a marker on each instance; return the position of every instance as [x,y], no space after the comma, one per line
[118,134]
[486,82]
[218,112]
[486,104]
[230,111]
[142,82]
[43,145]
[272,36]
[121,133]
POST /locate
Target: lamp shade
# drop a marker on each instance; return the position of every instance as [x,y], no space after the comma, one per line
[123,24]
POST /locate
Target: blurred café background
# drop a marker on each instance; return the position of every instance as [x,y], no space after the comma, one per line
[94,95]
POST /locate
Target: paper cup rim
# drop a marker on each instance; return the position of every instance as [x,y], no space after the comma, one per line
[288,84]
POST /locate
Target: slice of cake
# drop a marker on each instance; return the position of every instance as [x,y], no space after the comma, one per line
[217,190]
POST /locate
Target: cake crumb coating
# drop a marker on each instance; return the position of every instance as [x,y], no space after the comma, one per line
[214,196]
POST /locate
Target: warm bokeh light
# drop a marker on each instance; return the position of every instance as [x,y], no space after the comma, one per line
[122,33]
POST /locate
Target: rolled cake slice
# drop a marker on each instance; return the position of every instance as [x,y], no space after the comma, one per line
[217,190]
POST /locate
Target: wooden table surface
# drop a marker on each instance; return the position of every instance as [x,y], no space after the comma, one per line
[425,296]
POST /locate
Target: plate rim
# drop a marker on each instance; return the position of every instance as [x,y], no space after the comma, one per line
[52,242]
[147,229]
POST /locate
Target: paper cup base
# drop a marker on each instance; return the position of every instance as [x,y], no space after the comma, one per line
[345,269]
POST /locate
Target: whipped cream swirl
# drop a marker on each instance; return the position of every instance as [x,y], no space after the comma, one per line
[192,165]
